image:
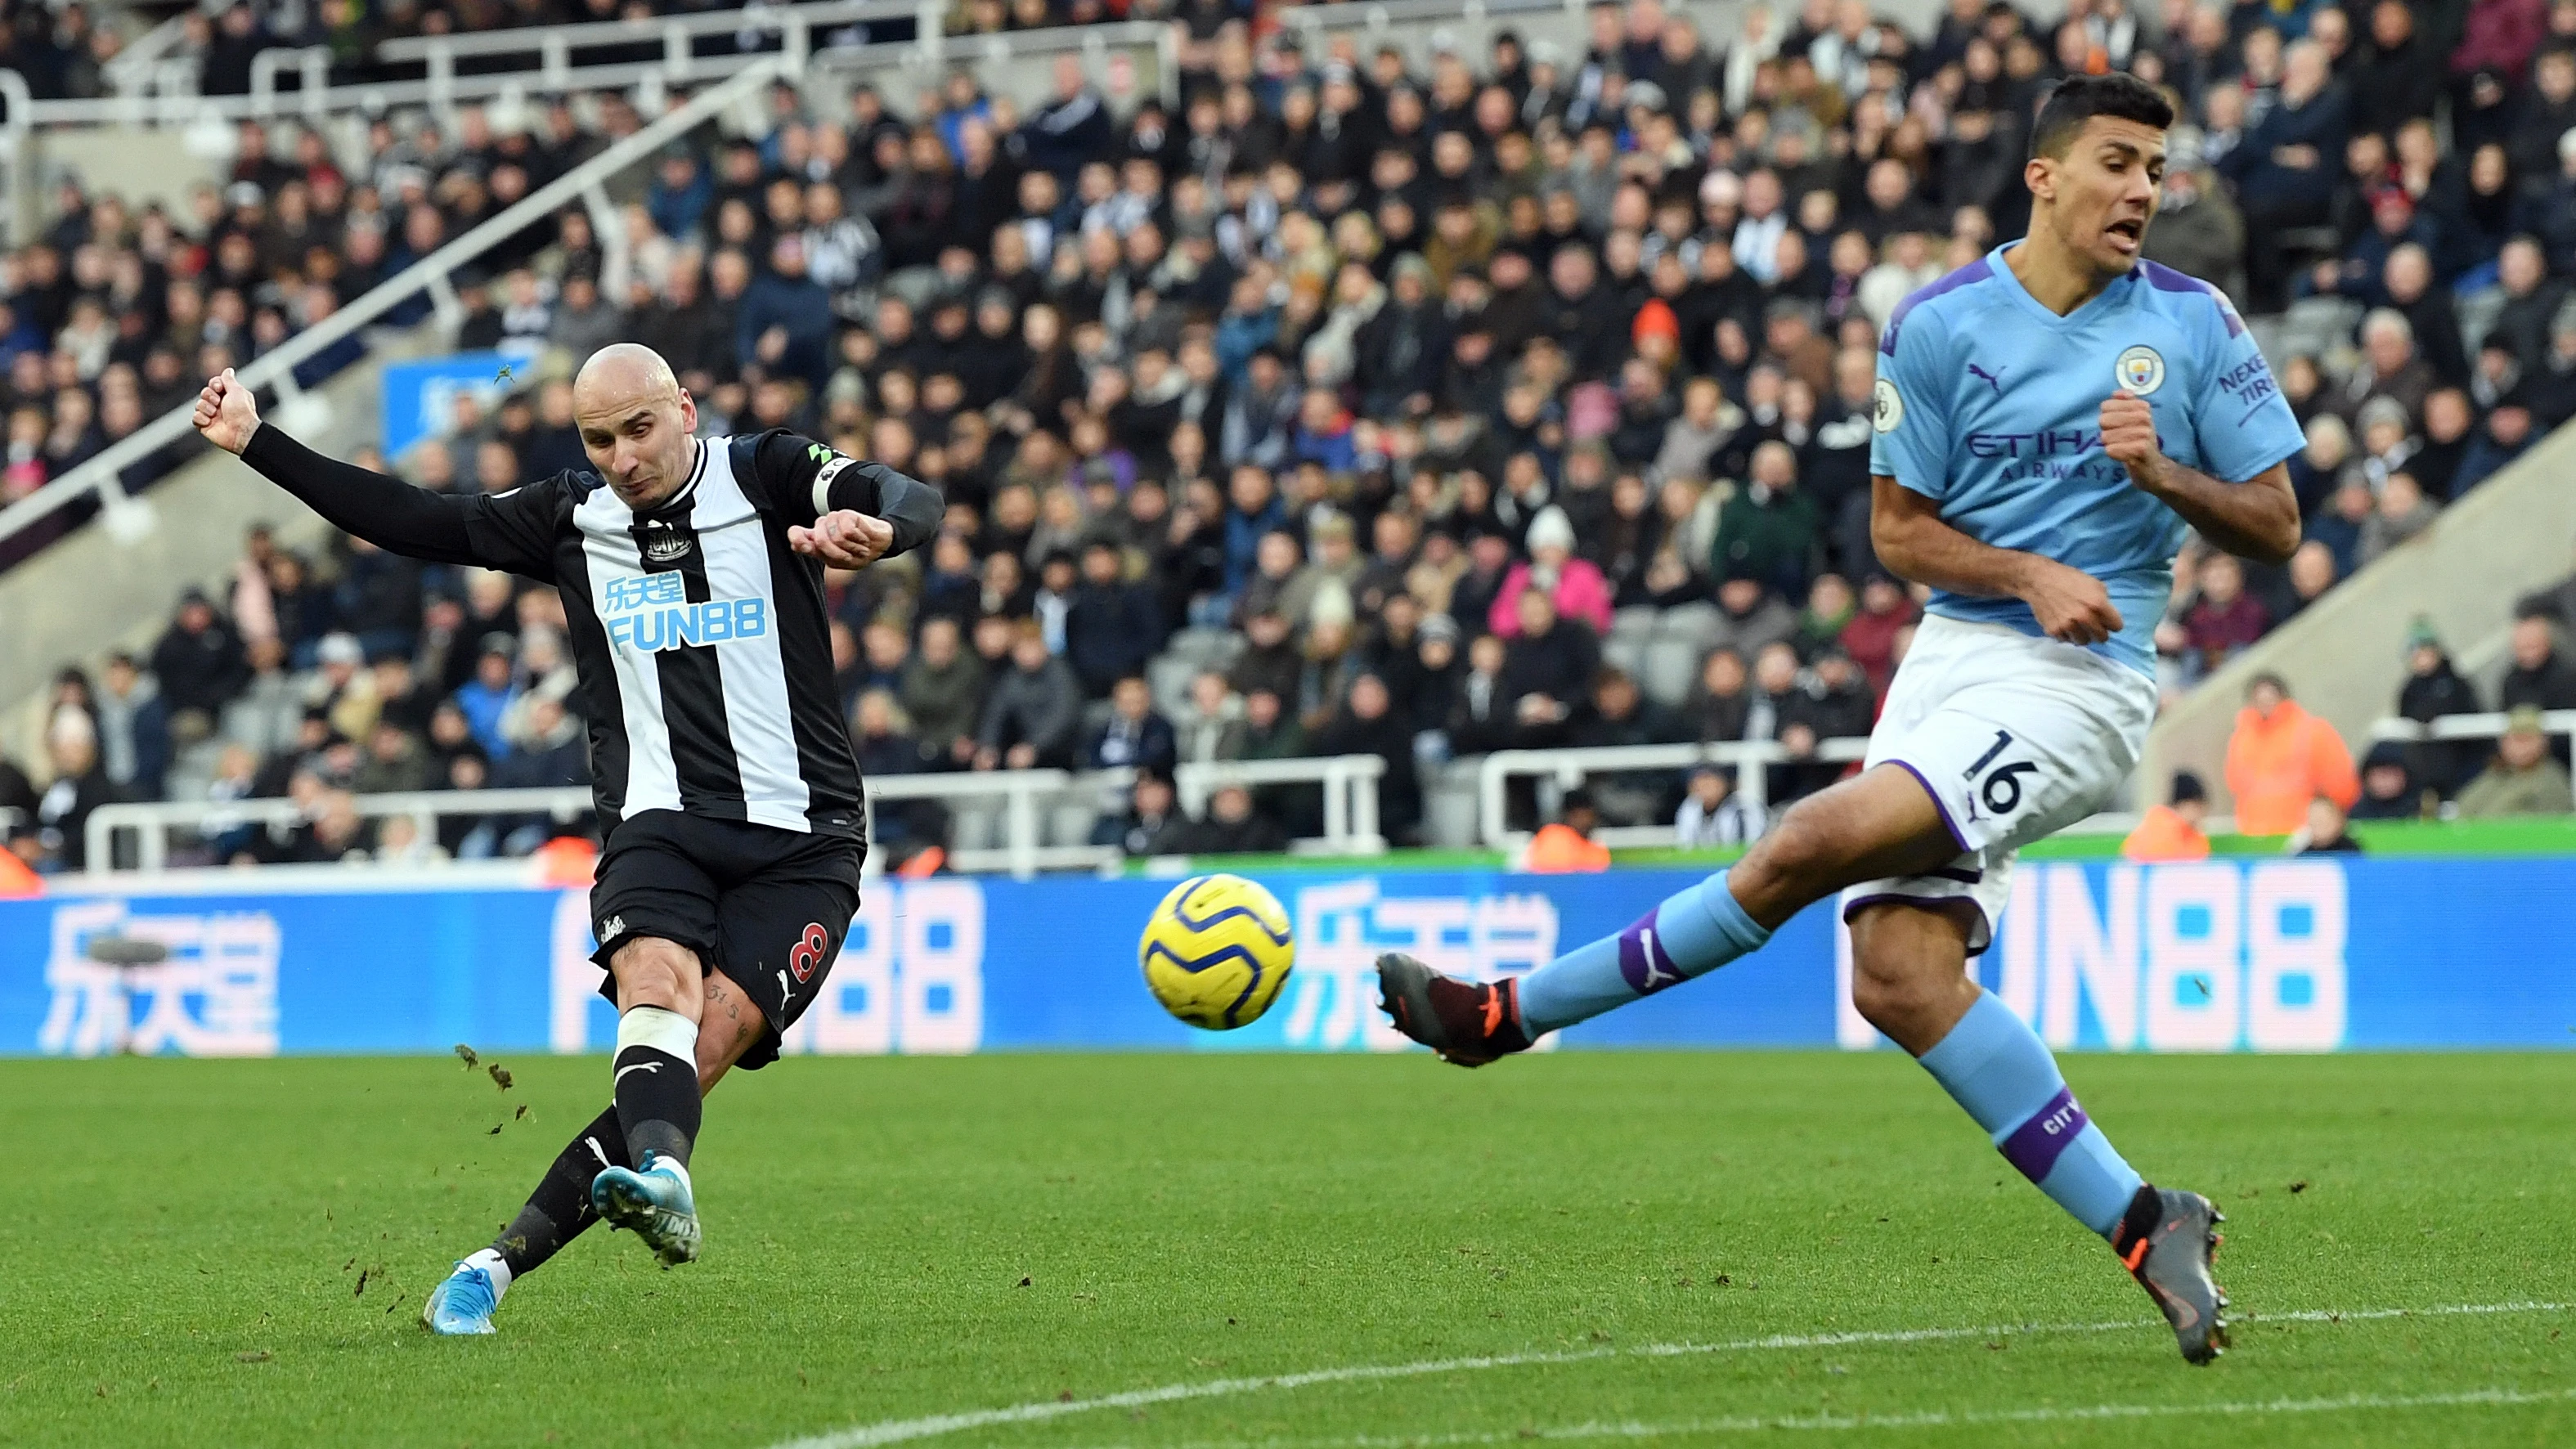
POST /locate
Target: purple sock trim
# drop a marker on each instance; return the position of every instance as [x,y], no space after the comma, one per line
[1645,962]
[2035,1145]
[1946,822]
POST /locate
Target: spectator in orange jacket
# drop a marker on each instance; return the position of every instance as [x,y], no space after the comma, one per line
[2280,758]
[2172,832]
[1567,846]
[18,859]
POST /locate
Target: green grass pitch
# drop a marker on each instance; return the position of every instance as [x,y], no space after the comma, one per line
[1710,1248]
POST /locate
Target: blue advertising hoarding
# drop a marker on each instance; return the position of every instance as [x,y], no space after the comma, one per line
[420,395]
[2220,955]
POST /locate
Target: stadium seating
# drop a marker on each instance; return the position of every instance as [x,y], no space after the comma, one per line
[1227,320]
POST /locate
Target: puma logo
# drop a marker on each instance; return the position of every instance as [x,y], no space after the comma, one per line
[1657,977]
[1644,963]
[634,1067]
[1994,379]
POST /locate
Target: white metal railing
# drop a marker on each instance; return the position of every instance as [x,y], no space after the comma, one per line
[165,93]
[2468,726]
[1019,791]
[156,89]
[1349,784]
[1350,792]
[553,45]
[1570,767]
[1319,19]
[133,66]
[1349,781]
[100,474]
[151,823]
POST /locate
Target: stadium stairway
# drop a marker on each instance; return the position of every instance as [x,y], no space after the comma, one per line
[2344,657]
[92,593]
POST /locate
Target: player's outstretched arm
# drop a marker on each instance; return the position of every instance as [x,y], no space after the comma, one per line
[2256,519]
[389,513]
[1906,530]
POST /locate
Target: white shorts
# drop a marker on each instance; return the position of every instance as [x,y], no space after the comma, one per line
[2016,737]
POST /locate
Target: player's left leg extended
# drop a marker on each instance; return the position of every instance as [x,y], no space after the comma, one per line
[1880,823]
[1989,738]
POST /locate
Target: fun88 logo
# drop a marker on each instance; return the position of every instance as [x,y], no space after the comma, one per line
[651,612]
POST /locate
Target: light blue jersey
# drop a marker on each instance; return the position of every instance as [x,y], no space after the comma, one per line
[1990,405]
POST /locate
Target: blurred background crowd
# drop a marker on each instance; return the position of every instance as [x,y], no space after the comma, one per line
[1353,404]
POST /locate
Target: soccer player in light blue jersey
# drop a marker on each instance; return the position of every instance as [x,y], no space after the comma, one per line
[2051,420]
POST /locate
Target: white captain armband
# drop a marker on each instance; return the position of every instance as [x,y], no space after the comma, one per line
[823,483]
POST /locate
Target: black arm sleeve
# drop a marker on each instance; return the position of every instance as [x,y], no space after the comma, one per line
[509,531]
[912,506]
[805,479]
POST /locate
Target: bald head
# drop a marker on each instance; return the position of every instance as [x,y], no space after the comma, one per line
[637,423]
[623,370]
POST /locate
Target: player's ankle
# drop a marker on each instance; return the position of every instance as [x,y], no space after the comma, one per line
[494,1266]
[2145,1210]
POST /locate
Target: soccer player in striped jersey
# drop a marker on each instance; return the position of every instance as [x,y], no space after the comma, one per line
[691,573]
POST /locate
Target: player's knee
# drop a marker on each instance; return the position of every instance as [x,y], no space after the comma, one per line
[1792,856]
[653,972]
[1909,965]
[1889,993]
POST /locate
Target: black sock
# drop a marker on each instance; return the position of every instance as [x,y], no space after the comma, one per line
[2146,1209]
[656,1082]
[559,1209]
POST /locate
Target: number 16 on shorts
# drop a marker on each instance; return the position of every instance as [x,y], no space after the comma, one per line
[2000,791]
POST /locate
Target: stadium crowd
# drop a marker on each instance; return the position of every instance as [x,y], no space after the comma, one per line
[1347,406]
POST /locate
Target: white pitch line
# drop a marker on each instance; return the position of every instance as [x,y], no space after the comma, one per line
[898,1431]
[1930,1419]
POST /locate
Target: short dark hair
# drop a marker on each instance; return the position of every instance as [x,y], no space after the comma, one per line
[2078,99]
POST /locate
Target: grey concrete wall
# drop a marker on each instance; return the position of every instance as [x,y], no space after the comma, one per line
[140,163]
[2342,656]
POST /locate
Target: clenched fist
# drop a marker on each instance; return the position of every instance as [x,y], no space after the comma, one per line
[2071,605]
[226,413]
[2129,436]
[845,539]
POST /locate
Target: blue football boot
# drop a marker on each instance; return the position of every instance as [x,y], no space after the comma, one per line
[654,1203]
[462,1304]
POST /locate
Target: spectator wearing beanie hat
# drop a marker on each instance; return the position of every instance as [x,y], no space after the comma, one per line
[1657,333]
[1574,583]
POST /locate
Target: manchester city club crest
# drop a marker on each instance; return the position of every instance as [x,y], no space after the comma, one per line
[2141,370]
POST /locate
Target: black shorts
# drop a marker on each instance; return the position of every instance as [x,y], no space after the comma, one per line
[768,906]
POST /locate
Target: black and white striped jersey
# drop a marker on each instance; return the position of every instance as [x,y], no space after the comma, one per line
[701,638]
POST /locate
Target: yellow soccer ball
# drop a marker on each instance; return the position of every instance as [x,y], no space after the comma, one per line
[1217,951]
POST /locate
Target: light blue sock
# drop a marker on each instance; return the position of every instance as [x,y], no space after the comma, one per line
[1994,1065]
[1690,934]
